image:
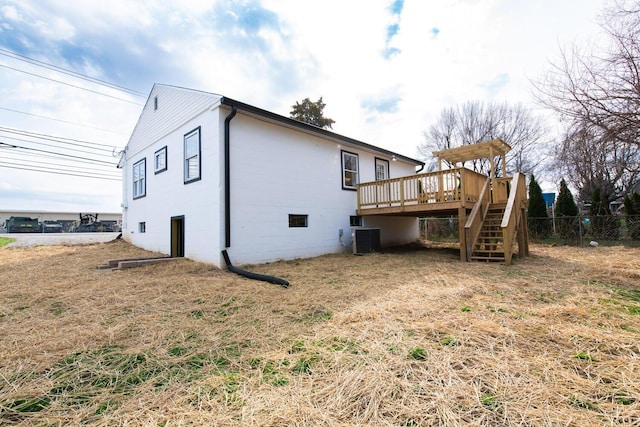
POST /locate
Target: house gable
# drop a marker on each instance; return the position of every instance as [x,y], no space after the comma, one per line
[166,109]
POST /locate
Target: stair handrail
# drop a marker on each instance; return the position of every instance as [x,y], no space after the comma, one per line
[512,213]
[475,219]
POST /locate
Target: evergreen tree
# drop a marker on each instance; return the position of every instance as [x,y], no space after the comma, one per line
[567,220]
[538,218]
[311,112]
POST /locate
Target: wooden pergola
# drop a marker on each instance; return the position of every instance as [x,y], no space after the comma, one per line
[452,190]
[481,150]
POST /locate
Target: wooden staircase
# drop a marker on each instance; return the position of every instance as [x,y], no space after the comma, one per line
[490,245]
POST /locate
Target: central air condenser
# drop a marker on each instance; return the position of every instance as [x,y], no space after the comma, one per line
[365,240]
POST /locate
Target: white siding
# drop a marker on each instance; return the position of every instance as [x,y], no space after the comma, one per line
[276,171]
[176,107]
[167,196]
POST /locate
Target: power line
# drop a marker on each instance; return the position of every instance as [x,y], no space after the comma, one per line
[60,158]
[59,120]
[50,137]
[57,154]
[109,172]
[75,150]
[61,140]
[69,84]
[14,55]
[59,173]
[58,169]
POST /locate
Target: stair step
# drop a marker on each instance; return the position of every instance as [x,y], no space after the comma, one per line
[480,251]
[481,258]
[489,246]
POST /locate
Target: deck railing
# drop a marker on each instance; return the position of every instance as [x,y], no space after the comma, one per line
[476,218]
[451,185]
[501,190]
[513,215]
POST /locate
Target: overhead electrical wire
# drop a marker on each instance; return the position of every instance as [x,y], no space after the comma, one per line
[59,120]
[98,168]
[6,145]
[66,164]
[80,142]
[67,167]
[76,150]
[14,55]
[60,173]
[59,169]
[69,84]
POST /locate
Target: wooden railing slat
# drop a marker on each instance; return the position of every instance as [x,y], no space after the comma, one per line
[458,184]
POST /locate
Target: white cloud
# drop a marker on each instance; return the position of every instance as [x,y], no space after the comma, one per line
[272,53]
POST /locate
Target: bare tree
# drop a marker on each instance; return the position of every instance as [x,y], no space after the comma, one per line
[600,86]
[596,92]
[475,122]
[593,160]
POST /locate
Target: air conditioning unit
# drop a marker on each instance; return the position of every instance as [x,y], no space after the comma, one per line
[365,240]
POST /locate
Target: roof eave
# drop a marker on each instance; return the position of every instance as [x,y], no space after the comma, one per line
[313,129]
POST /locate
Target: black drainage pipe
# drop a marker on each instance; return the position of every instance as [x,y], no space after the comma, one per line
[250,275]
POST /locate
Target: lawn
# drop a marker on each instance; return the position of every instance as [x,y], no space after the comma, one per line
[410,337]
[5,241]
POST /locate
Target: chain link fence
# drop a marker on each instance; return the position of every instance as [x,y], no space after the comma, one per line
[571,230]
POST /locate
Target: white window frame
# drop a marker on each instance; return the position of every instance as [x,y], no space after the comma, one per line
[382,169]
[139,178]
[345,182]
[160,160]
[192,157]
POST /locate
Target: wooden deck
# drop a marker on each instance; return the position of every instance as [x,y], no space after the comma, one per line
[428,194]
[458,191]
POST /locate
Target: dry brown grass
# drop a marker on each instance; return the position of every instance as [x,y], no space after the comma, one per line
[404,338]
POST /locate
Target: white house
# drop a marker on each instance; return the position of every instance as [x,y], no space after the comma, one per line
[204,173]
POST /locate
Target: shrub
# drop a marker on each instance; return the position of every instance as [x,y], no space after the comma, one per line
[537,210]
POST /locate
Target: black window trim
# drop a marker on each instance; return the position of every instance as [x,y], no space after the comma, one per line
[184,156]
[298,216]
[166,160]
[144,192]
[342,153]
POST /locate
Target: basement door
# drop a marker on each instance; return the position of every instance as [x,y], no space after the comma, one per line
[177,236]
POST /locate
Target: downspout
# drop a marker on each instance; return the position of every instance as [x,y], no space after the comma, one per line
[227,210]
[227,178]
[254,276]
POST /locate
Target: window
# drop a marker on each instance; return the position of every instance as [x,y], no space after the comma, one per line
[155,102]
[192,167]
[160,160]
[349,170]
[142,227]
[139,179]
[382,169]
[298,220]
[355,221]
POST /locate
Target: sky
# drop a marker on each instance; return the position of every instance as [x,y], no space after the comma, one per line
[75,74]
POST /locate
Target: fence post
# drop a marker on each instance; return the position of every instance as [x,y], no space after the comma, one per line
[580,230]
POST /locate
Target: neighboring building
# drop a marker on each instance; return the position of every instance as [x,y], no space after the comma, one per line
[204,173]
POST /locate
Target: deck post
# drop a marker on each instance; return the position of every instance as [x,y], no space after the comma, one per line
[462,220]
